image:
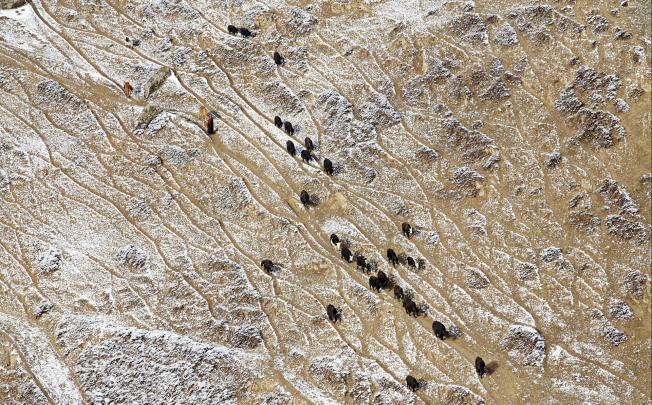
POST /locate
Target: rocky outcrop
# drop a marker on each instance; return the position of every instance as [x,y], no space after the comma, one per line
[525,345]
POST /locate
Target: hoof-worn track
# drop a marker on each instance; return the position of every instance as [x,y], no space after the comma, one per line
[514,138]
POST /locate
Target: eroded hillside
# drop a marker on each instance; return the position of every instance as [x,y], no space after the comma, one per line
[513,136]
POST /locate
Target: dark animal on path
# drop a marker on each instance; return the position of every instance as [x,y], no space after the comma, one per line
[287,125]
[306,156]
[411,262]
[335,241]
[346,254]
[309,145]
[384,280]
[412,383]
[328,167]
[209,125]
[244,32]
[333,313]
[305,197]
[232,29]
[361,262]
[398,292]
[267,265]
[278,122]
[289,145]
[480,367]
[407,229]
[278,59]
[411,307]
[440,330]
[391,256]
[374,283]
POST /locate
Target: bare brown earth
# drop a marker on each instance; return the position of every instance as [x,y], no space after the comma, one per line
[513,136]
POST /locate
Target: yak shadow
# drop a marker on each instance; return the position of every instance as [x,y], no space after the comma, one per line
[491,367]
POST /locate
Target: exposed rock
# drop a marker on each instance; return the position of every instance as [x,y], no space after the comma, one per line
[476,222]
[54,97]
[473,144]
[646,181]
[600,128]
[584,221]
[620,310]
[378,112]
[50,261]
[617,196]
[525,345]
[613,335]
[9,4]
[525,271]
[634,284]
[148,114]
[247,337]
[621,105]
[534,21]
[598,23]
[620,226]
[133,256]
[301,22]
[466,181]
[491,162]
[568,101]
[470,28]
[233,195]
[454,331]
[331,371]
[119,364]
[551,254]
[638,55]
[506,35]
[553,159]
[621,34]
[43,308]
[156,80]
[427,155]
[476,279]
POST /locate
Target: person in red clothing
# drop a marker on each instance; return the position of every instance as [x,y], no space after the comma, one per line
[209,126]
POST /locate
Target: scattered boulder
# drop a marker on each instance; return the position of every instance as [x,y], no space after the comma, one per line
[598,23]
[620,310]
[475,278]
[613,335]
[553,159]
[551,254]
[584,221]
[149,113]
[50,261]
[634,284]
[467,182]
[505,35]
[619,226]
[156,81]
[470,28]
[525,271]
[525,345]
[43,308]
[133,257]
